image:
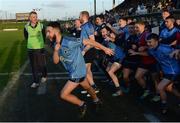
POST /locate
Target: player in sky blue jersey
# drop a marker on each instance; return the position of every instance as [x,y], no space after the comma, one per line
[122,32]
[116,60]
[89,52]
[68,51]
[169,65]
[170,34]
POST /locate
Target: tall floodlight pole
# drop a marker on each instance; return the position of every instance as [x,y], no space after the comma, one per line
[95,7]
[113,4]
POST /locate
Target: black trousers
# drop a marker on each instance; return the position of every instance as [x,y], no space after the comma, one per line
[37,59]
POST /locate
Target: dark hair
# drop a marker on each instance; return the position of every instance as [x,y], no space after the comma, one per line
[55,24]
[32,12]
[101,16]
[129,18]
[132,23]
[165,10]
[152,36]
[106,27]
[141,23]
[170,17]
[125,19]
[148,27]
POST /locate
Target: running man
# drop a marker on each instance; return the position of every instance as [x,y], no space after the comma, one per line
[115,62]
[170,67]
[34,33]
[68,51]
[147,63]
[87,32]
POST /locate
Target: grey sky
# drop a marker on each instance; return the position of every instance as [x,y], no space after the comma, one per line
[53,9]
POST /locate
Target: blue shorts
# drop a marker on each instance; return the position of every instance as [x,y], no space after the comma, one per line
[175,78]
[172,77]
[77,80]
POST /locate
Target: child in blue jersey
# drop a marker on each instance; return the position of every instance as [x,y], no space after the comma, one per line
[170,68]
[68,51]
[116,60]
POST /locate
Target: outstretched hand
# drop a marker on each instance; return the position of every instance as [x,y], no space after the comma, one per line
[109,51]
[132,52]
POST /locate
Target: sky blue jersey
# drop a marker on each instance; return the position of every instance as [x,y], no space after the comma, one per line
[118,52]
[87,30]
[168,36]
[162,54]
[125,32]
[72,58]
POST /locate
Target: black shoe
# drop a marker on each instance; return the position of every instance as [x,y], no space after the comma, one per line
[164,108]
[82,110]
[105,81]
[97,106]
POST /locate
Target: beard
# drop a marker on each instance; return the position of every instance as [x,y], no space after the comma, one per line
[54,38]
[53,41]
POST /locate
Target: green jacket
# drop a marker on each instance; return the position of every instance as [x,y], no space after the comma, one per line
[35,38]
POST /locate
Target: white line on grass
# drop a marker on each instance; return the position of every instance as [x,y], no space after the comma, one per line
[150,117]
[65,78]
[13,81]
[52,73]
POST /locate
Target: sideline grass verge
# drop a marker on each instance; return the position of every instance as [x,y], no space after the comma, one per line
[13,54]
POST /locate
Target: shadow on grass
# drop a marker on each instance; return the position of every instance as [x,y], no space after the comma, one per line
[16,58]
[2,51]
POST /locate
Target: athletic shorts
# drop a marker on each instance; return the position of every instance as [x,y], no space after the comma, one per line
[153,68]
[90,55]
[77,80]
[130,65]
[175,78]
[111,63]
[172,77]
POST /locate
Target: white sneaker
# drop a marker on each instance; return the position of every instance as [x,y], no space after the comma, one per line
[84,92]
[96,91]
[88,95]
[118,93]
[156,98]
[43,79]
[34,85]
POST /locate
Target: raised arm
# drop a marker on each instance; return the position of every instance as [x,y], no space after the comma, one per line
[56,57]
[98,45]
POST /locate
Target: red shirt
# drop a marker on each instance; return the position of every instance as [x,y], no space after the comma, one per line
[178,39]
[142,42]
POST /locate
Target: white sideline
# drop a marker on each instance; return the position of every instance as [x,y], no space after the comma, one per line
[64,78]
[52,73]
[12,83]
[151,118]
[7,30]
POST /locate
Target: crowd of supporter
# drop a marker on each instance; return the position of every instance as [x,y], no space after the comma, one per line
[133,7]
